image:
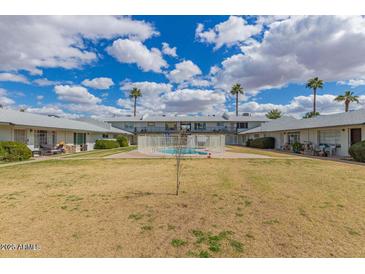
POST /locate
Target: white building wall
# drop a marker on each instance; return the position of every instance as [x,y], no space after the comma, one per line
[312,136]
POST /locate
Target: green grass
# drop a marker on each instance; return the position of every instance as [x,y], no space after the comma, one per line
[178,242]
[135,216]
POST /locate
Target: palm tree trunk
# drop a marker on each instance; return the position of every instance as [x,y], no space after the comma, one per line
[314,101]
[135,106]
[237,104]
[347,103]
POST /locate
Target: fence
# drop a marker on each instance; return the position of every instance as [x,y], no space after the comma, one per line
[157,143]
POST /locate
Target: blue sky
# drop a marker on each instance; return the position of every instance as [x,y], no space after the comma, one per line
[85,66]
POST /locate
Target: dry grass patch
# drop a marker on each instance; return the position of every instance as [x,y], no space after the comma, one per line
[264,152]
[227,208]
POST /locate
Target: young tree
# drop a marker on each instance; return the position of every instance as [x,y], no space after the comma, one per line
[135,93]
[314,84]
[181,141]
[236,90]
[348,98]
[273,114]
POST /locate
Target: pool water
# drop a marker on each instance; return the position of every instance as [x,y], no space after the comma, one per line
[184,151]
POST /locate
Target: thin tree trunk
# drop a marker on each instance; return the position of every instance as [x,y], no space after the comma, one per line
[347,106]
[135,106]
[314,101]
[237,104]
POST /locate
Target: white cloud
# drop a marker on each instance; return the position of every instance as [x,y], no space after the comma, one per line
[300,105]
[40,97]
[353,82]
[134,52]
[98,83]
[33,42]
[229,33]
[150,102]
[11,77]
[159,98]
[4,99]
[43,82]
[184,71]
[194,101]
[169,51]
[51,110]
[296,49]
[76,94]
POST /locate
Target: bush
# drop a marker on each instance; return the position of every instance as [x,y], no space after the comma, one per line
[106,144]
[13,151]
[357,151]
[297,147]
[264,142]
[122,141]
[248,142]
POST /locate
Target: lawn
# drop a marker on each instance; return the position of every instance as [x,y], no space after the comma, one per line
[265,152]
[226,208]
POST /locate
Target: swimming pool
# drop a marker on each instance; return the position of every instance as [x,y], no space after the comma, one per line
[184,151]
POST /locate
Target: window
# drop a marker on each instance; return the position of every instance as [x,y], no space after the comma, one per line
[293,137]
[220,124]
[20,136]
[198,126]
[79,138]
[105,136]
[242,125]
[170,126]
[331,137]
[150,124]
[185,126]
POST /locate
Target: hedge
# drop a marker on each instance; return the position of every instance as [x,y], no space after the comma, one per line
[357,151]
[13,151]
[264,142]
[122,141]
[106,144]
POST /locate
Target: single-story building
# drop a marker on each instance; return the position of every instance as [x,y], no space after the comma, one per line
[37,130]
[337,130]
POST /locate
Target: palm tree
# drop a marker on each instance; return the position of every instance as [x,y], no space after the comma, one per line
[236,90]
[314,84]
[310,114]
[348,98]
[135,93]
[273,114]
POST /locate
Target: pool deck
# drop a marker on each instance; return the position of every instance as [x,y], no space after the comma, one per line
[134,154]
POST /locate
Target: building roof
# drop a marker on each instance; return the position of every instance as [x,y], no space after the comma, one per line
[19,118]
[186,118]
[321,121]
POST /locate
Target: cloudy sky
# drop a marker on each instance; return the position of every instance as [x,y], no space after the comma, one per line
[86,65]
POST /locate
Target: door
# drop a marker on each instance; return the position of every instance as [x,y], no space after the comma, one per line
[355,135]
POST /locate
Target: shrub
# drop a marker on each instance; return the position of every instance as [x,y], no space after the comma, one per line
[264,142]
[106,144]
[122,140]
[13,151]
[297,147]
[248,142]
[357,151]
